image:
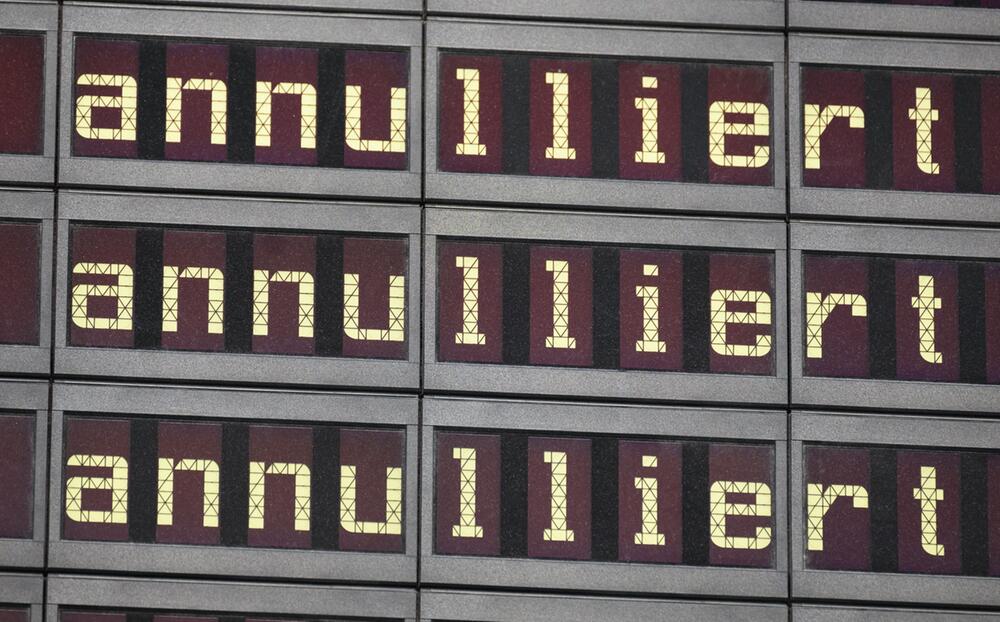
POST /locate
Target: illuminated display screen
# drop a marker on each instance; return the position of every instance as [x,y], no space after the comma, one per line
[906,319]
[238,291]
[541,495]
[240,103]
[19,282]
[909,510]
[901,130]
[22,71]
[17,446]
[605,118]
[605,307]
[233,484]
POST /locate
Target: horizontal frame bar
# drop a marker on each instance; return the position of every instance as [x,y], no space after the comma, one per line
[928,20]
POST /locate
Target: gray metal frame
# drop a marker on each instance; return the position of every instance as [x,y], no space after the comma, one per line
[38,206]
[928,20]
[604,576]
[871,429]
[501,607]
[764,48]
[231,597]
[38,17]
[840,50]
[29,396]
[196,402]
[831,613]
[387,6]
[226,23]
[894,240]
[595,228]
[24,590]
[80,206]
[741,13]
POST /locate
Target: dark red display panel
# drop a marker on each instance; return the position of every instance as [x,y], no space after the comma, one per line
[19,254]
[936,320]
[238,291]
[908,510]
[281,112]
[605,307]
[544,496]
[604,118]
[14,615]
[22,71]
[899,130]
[17,485]
[985,4]
[228,483]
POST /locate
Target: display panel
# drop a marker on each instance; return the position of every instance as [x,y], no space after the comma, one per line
[22,67]
[604,499]
[898,318]
[986,4]
[17,480]
[238,291]
[605,307]
[900,130]
[10,614]
[232,484]
[240,103]
[20,251]
[909,510]
[604,118]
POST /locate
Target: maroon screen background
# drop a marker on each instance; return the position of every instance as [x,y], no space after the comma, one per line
[992,276]
[671,307]
[90,616]
[743,463]
[376,73]
[270,444]
[22,70]
[990,124]
[451,308]
[17,446]
[14,615]
[669,500]
[842,148]
[845,337]
[102,56]
[909,365]
[448,487]
[99,437]
[19,254]
[280,64]
[579,117]
[372,452]
[375,260]
[293,253]
[912,557]
[993,517]
[451,118]
[193,249]
[846,529]
[100,245]
[630,130]
[187,61]
[743,271]
[581,308]
[741,84]
[173,618]
[186,441]
[540,497]
[906,175]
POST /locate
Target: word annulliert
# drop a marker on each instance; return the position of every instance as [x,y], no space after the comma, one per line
[238,291]
[240,103]
[233,484]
